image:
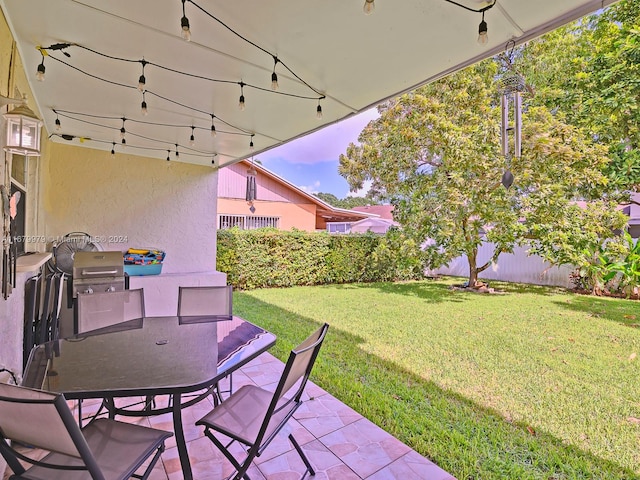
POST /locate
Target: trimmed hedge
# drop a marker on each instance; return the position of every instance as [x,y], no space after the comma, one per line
[274,258]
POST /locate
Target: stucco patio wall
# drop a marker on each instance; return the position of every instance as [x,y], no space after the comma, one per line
[131,201]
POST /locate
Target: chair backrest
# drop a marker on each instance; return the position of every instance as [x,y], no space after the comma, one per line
[296,371]
[99,310]
[300,362]
[206,300]
[42,420]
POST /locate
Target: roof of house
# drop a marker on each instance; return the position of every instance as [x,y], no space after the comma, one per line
[324,209]
[375,225]
[382,211]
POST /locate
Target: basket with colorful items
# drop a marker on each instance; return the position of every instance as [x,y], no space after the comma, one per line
[143,261]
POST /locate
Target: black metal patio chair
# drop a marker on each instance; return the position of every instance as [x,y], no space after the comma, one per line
[253,416]
[103,450]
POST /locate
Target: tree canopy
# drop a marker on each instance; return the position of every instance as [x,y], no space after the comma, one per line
[588,72]
[348,202]
[435,153]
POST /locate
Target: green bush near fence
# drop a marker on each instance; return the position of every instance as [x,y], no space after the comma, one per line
[275,258]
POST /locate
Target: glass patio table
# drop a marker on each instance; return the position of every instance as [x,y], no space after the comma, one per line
[147,357]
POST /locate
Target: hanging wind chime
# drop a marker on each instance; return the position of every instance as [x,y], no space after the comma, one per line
[512,87]
[251,193]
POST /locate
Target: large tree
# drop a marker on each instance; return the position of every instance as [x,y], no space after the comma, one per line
[435,153]
[589,72]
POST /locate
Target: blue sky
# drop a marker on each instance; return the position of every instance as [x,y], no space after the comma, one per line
[311,162]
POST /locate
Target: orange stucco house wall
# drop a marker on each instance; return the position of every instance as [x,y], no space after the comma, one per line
[276,197]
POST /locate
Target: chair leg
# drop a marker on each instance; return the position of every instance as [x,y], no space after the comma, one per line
[296,445]
[241,470]
[153,462]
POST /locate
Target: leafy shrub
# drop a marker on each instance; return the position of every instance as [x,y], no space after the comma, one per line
[274,258]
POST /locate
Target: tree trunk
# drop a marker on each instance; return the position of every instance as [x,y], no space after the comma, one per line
[473,269]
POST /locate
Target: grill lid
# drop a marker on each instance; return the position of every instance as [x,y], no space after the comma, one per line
[98,264]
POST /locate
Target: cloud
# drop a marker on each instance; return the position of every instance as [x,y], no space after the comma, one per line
[313,188]
[363,191]
[325,145]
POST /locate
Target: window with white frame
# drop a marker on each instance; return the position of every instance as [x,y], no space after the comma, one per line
[247,222]
[338,227]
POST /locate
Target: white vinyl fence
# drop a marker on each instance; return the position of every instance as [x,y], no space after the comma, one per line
[512,267]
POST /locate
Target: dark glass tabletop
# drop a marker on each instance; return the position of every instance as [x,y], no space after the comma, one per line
[154,355]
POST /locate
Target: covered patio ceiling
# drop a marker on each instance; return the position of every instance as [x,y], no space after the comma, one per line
[329,54]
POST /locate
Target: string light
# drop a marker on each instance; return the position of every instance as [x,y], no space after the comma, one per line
[58,124]
[274,75]
[111,145]
[483,37]
[122,130]
[192,138]
[41,69]
[144,62]
[177,154]
[142,81]
[143,106]
[241,100]
[213,127]
[124,143]
[369,7]
[113,150]
[184,24]
[73,116]
[319,110]
[168,157]
[251,143]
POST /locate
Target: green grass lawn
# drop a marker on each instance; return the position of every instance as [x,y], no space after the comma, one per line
[536,383]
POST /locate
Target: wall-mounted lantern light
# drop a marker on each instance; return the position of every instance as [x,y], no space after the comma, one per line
[22,135]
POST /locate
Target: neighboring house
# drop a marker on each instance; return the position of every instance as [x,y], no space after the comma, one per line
[382,211]
[278,204]
[374,225]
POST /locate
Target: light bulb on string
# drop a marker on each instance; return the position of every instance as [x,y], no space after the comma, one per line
[122,130]
[192,138]
[113,150]
[241,100]
[40,70]
[124,143]
[168,157]
[483,37]
[177,154]
[58,124]
[213,127]
[274,75]
[143,106]
[369,7]
[251,143]
[184,24]
[319,110]
[142,81]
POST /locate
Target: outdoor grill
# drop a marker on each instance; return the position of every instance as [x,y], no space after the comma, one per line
[98,272]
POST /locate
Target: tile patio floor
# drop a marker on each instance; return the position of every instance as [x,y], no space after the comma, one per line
[340,443]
